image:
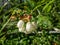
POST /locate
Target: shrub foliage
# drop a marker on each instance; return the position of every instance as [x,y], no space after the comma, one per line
[46,13]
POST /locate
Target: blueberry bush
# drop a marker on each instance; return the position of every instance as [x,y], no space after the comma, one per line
[38,18]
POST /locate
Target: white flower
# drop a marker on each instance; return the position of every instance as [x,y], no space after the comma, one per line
[30,27]
[20,24]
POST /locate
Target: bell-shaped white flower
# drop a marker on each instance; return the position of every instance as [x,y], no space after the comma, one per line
[30,27]
[20,24]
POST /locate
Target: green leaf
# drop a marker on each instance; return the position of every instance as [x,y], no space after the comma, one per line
[47,5]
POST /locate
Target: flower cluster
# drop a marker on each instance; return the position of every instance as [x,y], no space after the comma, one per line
[29,28]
